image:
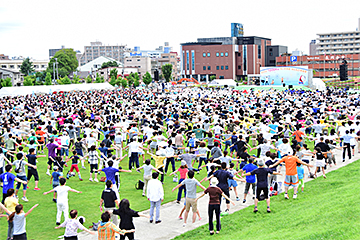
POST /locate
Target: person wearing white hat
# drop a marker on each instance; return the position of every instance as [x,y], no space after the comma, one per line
[214,203]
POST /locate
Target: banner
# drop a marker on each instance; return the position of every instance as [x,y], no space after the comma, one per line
[284,75]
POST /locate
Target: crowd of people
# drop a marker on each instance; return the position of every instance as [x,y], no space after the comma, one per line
[231,135]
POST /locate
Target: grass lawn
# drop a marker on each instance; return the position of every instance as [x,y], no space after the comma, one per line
[41,222]
[328,209]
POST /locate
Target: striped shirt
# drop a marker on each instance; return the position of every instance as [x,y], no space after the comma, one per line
[107,231]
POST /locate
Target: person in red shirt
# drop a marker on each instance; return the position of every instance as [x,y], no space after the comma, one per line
[41,139]
[214,204]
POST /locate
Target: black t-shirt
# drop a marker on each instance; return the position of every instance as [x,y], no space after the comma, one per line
[75,159]
[319,156]
[126,218]
[261,176]
[109,197]
[323,146]
[31,159]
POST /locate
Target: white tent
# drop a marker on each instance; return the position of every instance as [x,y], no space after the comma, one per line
[318,84]
[222,82]
[26,90]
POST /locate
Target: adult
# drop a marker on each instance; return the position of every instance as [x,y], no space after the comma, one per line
[8,181]
[19,220]
[215,194]
[155,194]
[110,201]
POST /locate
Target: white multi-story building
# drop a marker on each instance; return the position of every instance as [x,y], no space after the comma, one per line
[15,64]
[339,43]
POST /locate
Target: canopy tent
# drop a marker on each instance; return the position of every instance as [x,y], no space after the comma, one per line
[318,84]
[26,90]
[222,82]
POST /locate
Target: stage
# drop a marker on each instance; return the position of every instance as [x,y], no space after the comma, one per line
[267,87]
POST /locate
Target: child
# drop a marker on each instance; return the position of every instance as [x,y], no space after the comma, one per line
[55,176]
[232,182]
[320,161]
[74,165]
[147,173]
[300,172]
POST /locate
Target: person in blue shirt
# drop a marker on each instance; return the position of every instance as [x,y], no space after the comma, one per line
[250,180]
[55,180]
[8,181]
[300,172]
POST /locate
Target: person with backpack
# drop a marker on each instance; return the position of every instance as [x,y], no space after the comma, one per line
[8,179]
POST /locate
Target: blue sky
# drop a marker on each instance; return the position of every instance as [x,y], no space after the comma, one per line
[30,28]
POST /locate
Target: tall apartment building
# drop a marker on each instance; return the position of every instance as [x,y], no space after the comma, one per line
[97,49]
[312,47]
[4,57]
[339,42]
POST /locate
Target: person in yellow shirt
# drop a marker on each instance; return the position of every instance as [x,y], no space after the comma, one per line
[10,203]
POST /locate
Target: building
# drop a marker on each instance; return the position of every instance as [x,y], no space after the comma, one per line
[97,49]
[53,51]
[15,64]
[312,47]
[272,52]
[339,42]
[16,77]
[169,58]
[237,30]
[223,57]
[324,66]
[143,64]
[4,57]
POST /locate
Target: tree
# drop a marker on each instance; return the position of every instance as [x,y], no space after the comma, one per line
[28,81]
[112,81]
[212,77]
[27,67]
[113,73]
[99,79]
[130,79]
[76,79]
[109,64]
[48,79]
[6,82]
[167,71]
[67,62]
[136,83]
[66,80]
[147,78]
[88,79]
[124,83]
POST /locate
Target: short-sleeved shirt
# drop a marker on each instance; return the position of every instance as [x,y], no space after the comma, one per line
[190,185]
[51,147]
[214,194]
[187,157]
[249,168]
[126,218]
[147,169]
[31,159]
[107,231]
[290,164]
[10,203]
[8,181]
[223,176]
[110,173]
[109,197]
[262,176]
[183,172]
[56,176]
[22,167]
[300,171]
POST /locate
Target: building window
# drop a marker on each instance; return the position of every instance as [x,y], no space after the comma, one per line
[239,54]
[239,67]
[204,68]
[221,77]
[193,60]
[208,54]
[12,66]
[226,67]
[204,54]
[270,54]
[187,61]
[226,54]
[217,67]
[222,54]
[259,52]
[209,68]
[217,54]
[3,66]
[222,67]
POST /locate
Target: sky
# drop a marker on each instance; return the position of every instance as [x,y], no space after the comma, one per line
[31,28]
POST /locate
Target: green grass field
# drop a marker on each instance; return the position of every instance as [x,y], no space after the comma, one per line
[41,222]
[328,209]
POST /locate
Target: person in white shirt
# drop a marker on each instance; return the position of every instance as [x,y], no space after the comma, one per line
[62,199]
[72,225]
[65,140]
[155,194]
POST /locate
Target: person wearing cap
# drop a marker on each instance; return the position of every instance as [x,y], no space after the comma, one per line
[262,183]
[183,170]
[215,194]
[55,176]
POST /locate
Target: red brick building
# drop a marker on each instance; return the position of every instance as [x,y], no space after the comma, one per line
[225,58]
[325,66]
